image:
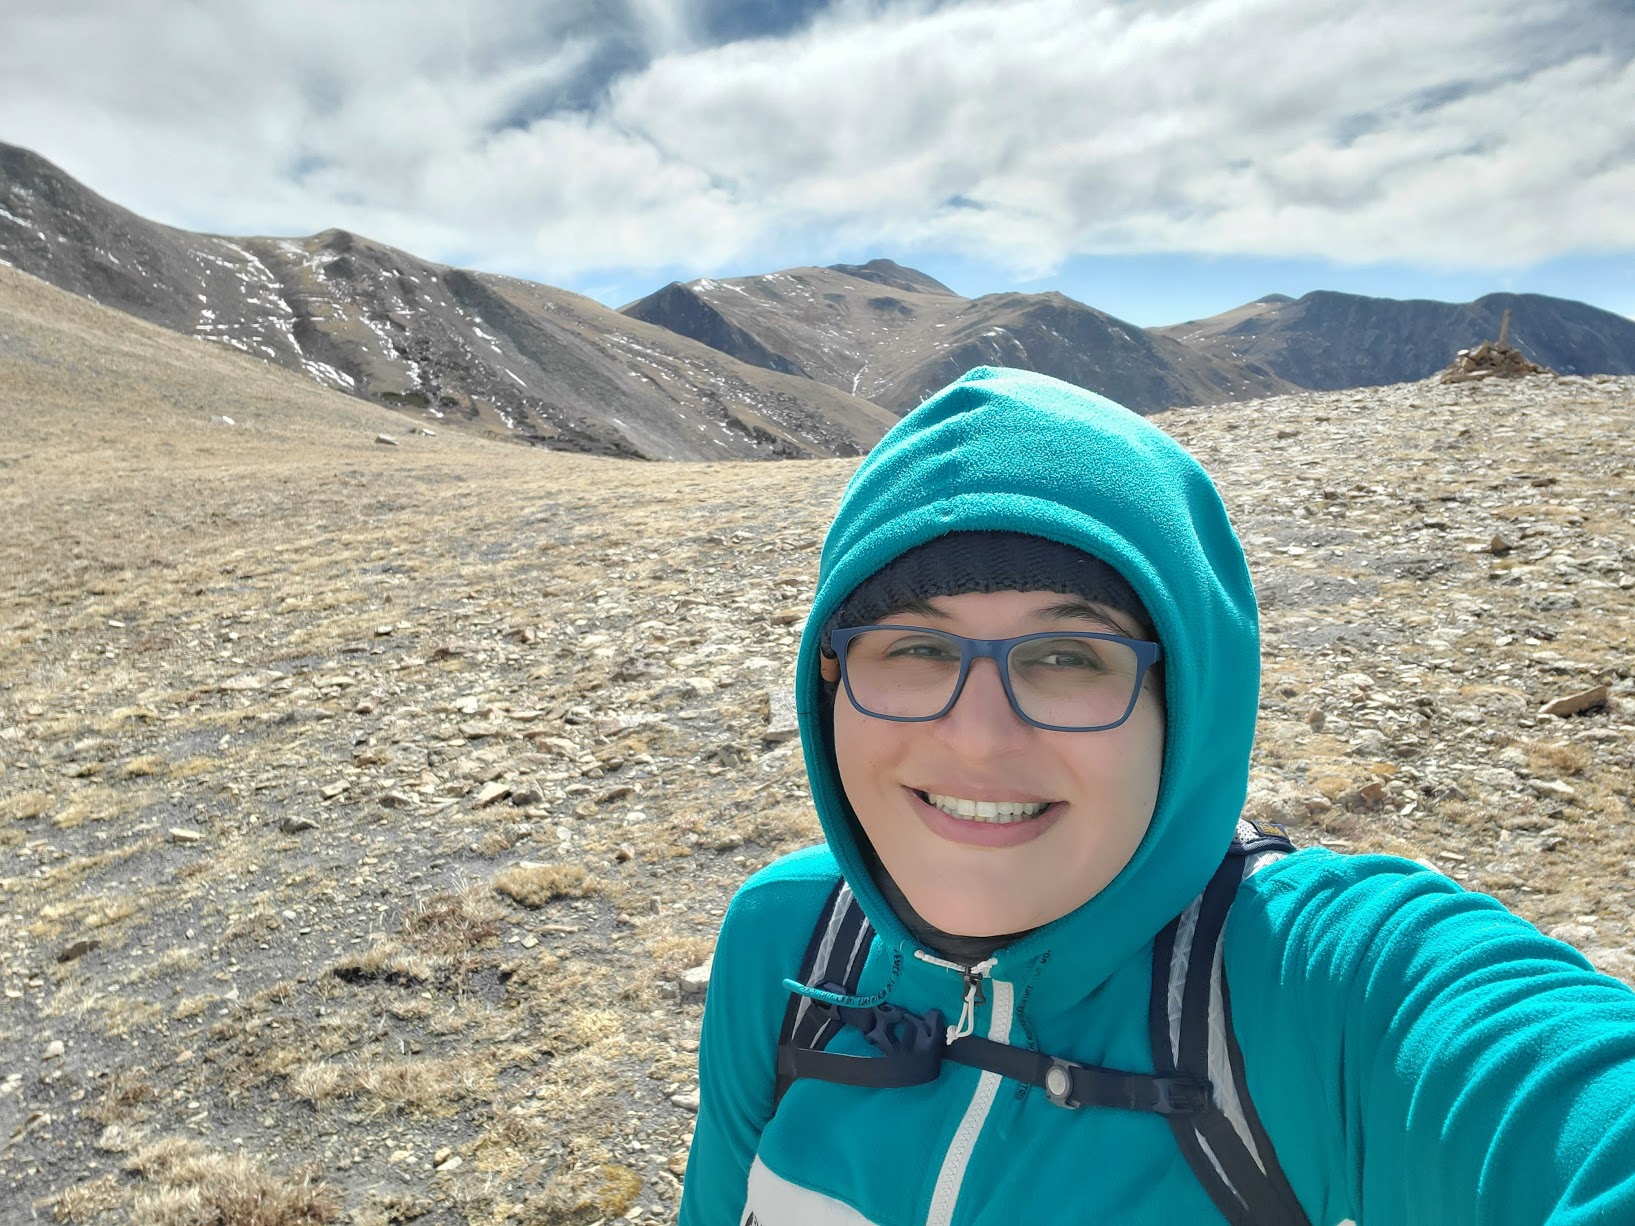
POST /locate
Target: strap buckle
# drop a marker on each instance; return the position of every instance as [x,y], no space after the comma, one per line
[894,1031]
[1182,1095]
[1059,1083]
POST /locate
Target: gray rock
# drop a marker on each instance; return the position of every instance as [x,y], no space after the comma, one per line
[696,981]
[490,793]
[1368,743]
[1572,704]
[1552,788]
[1496,778]
[781,722]
[1579,935]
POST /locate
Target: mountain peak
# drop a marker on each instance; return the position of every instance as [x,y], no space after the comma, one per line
[893,274]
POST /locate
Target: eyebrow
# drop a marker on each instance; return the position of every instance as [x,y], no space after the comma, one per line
[1079,609]
[1063,610]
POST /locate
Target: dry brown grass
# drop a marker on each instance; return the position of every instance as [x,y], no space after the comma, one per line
[536,885]
[86,1203]
[143,767]
[192,1006]
[454,922]
[433,1086]
[389,960]
[194,1186]
[1559,757]
[124,1096]
[583,1195]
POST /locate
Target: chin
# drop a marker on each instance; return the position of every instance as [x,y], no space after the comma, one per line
[958,918]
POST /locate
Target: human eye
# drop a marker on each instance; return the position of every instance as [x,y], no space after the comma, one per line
[1068,655]
[931,647]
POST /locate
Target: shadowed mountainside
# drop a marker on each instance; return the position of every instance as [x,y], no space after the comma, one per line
[503,356]
[1327,340]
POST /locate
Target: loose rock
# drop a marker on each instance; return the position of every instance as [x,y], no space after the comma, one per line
[696,981]
[1573,704]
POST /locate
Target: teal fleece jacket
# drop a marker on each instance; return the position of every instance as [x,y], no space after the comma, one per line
[1417,1054]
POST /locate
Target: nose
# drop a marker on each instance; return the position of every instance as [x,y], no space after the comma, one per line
[981,722]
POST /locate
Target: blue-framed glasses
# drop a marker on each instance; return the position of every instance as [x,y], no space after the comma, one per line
[1061,682]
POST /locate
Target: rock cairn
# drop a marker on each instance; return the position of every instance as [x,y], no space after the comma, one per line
[1491,359]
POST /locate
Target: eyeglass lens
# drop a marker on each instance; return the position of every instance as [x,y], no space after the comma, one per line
[1067,680]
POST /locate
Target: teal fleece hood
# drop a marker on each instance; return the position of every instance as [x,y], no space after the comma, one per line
[1008,450]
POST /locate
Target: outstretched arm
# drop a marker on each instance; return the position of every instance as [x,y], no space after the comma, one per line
[1421,1055]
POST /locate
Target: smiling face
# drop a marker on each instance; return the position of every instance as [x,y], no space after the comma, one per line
[974,877]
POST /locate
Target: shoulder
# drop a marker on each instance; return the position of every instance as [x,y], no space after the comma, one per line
[1366,922]
[790,890]
[770,920]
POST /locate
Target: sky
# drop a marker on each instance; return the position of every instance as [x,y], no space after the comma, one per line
[1162,160]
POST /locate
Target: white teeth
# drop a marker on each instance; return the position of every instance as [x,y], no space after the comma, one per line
[999,812]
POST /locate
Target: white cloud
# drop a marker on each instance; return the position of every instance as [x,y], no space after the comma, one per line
[1020,132]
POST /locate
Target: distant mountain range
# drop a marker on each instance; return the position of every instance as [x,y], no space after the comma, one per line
[894,335]
[1327,341]
[805,362]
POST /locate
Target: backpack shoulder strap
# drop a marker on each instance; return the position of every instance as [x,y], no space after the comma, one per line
[1191,1023]
[834,960]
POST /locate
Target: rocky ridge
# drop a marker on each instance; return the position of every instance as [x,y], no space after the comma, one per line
[492,354]
[366,813]
[895,335]
[1327,340]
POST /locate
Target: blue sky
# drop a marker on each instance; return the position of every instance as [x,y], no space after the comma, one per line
[1159,159]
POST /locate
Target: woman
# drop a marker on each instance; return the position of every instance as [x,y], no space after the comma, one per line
[1027,693]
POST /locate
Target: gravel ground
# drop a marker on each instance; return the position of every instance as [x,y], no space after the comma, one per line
[367,811]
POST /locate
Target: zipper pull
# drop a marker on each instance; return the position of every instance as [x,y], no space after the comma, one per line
[973,987]
[974,996]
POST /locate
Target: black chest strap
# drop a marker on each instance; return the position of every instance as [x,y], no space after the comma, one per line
[1198,1084]
[913,1048]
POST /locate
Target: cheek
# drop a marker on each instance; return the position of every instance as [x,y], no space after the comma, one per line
[857,741]
[1145,745]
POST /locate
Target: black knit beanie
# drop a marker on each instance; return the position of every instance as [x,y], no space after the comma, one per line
[964,562]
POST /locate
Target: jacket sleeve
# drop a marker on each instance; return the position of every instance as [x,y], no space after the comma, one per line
[761,939]
[1421,1055]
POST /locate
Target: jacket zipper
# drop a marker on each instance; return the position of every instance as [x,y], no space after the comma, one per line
[952,1174]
